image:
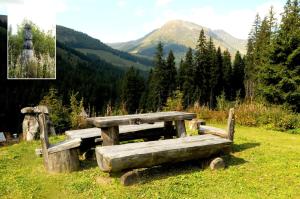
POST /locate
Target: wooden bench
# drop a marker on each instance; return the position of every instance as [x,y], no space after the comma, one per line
[60,157]
[228,133]
[147,154]
[92,136]
[127,132]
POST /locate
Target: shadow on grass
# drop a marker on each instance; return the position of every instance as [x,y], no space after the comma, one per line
[163,171]
[244,146]
[167,170]
[233,161]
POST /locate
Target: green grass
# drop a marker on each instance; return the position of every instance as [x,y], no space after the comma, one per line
[265,164]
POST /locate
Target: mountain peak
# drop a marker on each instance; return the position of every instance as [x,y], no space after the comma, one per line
[179,35]
[181,24]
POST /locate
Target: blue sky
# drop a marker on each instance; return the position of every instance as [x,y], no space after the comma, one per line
[123,20]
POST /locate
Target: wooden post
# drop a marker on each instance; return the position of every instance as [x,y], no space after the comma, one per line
[231,124]
[180,128]
[57,162]
[110,136]
[168,128]
[44,136]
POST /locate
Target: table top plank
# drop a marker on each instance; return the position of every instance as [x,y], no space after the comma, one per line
[140,118]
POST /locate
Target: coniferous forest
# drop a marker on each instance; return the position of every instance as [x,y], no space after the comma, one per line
[269,72]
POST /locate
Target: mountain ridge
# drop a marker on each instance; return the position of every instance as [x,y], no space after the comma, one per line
[181,33]
[95,49]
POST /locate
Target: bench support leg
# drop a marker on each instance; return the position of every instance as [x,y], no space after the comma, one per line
[110,136]
[169,129]
[180,128]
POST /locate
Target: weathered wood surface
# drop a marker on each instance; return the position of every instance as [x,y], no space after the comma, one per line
[228,133]
[110,135]
[147,154]
[62,157]
[63,161]
[180,128]
[65,145]
[139,118]
[126,129]
[214,131]
[231,124]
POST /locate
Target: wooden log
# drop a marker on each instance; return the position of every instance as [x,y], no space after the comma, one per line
[110,136]
[217,164]
[129,178]
[231,124]
[44,137]
[147,154]
[63,157]
[63,162]
[213,131]
[180,128]
[168,128]
[139,118]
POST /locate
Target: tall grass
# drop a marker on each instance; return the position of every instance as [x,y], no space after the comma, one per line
[253,114]
[38,67]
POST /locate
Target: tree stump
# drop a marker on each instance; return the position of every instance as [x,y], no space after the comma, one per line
[63,161]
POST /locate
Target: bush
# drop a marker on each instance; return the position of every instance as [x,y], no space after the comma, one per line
[174,103]
[252,114]
[58,112]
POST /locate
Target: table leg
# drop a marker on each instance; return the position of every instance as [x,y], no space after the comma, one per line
[110,136]
[180,128]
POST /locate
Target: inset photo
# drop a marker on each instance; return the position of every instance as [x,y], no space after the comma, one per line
[31,42]
[3,44]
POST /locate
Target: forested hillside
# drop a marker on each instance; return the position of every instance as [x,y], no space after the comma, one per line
[95,49]
[95,80]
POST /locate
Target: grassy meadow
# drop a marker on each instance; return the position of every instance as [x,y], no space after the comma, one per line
[264,164]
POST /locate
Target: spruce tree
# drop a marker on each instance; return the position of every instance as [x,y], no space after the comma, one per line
[227,72]
[219,72]
[171,73]
[200,75]
[133,87]
[238,75]
[280,78]
[188,80]
[212,70]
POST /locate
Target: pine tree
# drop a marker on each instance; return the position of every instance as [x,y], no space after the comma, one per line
[212,70]
[188,81]
[280,78]
[163,80]
[251,60]
[133,87]
[171,73]
[181,74]
[238,75]
[227,72]
[200,75]
[219,72]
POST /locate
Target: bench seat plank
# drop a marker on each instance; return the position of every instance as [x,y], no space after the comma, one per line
[146,154]
[65,145]
[213,131]
[96,132]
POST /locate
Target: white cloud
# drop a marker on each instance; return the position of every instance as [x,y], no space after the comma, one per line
[121,3]
[140,12]
[163,2]
[40,12]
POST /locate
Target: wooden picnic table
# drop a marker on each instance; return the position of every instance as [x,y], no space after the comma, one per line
[110,125]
